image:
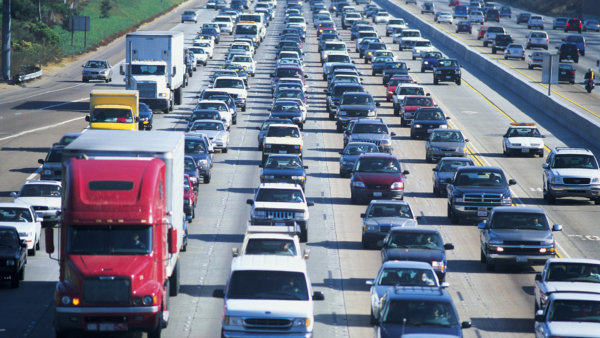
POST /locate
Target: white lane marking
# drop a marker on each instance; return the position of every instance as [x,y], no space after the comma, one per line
[41,128]
[32,176]
[532,189]
[539,189]
[62,104]
[562,250]
[44,93]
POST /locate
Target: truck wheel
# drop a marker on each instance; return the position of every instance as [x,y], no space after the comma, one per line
[551,198]
[366,246]
[339,128]
[207,178]
[244,108]
[303,234]
[396,111]
[16,278]
[174,281]
[178,96]
[37,245]
[458,82]
[225,150]
[156,333]
[171,103]
[31,252]
[453,218]
[435,80]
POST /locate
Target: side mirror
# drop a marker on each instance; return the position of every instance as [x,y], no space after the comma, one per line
[448,118]
[539,316]
[250,201]
[49,240]
[40,161]
[318,295]
[261,166]
[310,203]
[13,194]
[353,61]
[210,151]
[305,167]
[448,246]
[465,325]
[306,76]
[563,39]
[481,225]
[370,282]
[408,68]
[137,119]
[87,118]
[392,134]
[405,172]
[377,104]
[172,240]
[219,293]
[557,227]
[361,78]
[324,90]
[257,128]
[545,165]
[82,65]
[271,75]
[306,254]
[512,181]
[428,94]
[235,252]
[121,70]
[460,66]
[380,244]
[467,140]
[543,136]
[538,277]
[363,215]
[445,285]
[269,109]
[374,321]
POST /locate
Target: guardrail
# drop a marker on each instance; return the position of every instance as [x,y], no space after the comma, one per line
[574,120]
[29,76]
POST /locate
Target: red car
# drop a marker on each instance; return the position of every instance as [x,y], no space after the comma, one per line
[454,3]
[325,27]
[573,25]
[481,32]
[190,197]
[395,82]
[377,176]
[410,105]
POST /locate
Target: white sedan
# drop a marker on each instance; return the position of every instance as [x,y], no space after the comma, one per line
[26,221]
[476,17]
[514,50]
[445,18]
[43,196]
[207,45]
[245,61]
[382,18]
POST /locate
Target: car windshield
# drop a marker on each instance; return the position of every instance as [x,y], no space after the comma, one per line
[206,116]
[246,29]
[338,58]
[575,311]
[418,101]
[279,195]
[147,70]
[8,238]
[377,165]
[366,128]
[266,124]
[263,246]
[574,161]
[406,34]
[357,149]
[223,98]
[390,210]
[189,164]
[276,285]
[222,20]
[220,106]
[433,55]
[538,35]
[286,107]
[376,46]
[365,100]
[396,22]
[12,214]
[194,147]
[450,166]
[296,20]
[208,31]
[339,90]
[227,83]
[283,132]
[407,277]
[283,162]
[515,46]
[109,240]
[335,46]
[96,64]
[383,59]
[54,156]
[396,65]
[592,22]
[326,24]
[366,41]
[573,272]
[480,178]
[40,190]
[287,73]
[519,221]
[284,55]
[243,59]
[110,115]
[207,126]
[298,94]
[429,116]
[447,63]
[415,240]
[423,44]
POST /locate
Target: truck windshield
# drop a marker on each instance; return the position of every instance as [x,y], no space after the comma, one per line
[339,90]
[283,132]
[376,165]
[262,246]
[276,285]
[147,70]
[408,277]
[420,313]
[480,178]
[107,115]
[574,161]
[54,156]
[246,29]
[416,240]
[279,195]
[566,310]
[519,221]
[109,240]
[40,190]
[9,214]
[357,100]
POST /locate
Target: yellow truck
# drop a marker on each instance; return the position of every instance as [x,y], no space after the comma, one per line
[114,109]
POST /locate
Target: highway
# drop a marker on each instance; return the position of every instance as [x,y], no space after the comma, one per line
[499,304]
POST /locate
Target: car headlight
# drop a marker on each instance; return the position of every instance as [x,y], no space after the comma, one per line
[496,242]
[343,113]
[418,126]
[203,162]
[506,200]
[370,53]
[385,142]
[397,186]
[220,138]
[439,72]
[268,146]
[556,179]
[268,177]
[10,262]
[548,242]
[438,265]
[26,234]
[458,200]
[260,214]
[298,178]
[193,179]
[66,300]
[434,149]
[300,215]
[370,228]
[461,149]
[443,126]
[302,322]
[47,172]
[371,113]
[186,201]
[358,184]
[235,321]
[595,180]
[425,62]
[457,72]
[163,94]
[390,93]
[297,147]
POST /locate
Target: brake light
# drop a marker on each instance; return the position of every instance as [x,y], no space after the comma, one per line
[529,40]
[573,73]
[508,51]
[523,52]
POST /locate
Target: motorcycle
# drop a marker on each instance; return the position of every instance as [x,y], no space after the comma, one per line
[590,84]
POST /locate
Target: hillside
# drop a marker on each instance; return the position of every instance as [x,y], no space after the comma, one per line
[568,8]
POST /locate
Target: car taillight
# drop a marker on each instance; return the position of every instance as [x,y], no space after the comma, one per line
[547,40]
[529,40]
[523,52]
[508,51]
[578,51]
[573,73]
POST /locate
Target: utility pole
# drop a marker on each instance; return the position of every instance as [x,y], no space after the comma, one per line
[6,4]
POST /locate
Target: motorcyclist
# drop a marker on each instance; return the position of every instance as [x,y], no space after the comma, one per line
[589,75]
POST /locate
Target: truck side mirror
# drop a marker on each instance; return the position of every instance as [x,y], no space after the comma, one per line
[557,227]
[448,246]
[512,181]
[538,277]
[87,118]
[434,169]
[481,225]
[405,172]
[377,104]
[13,194]
[318,295]
[465,325]
[235,252]
[121,70]
[49,240]
[172,238]
[250,201]
[257,128]
[539,316]
[40,161]
[363,215]
[219,293]
[310,203]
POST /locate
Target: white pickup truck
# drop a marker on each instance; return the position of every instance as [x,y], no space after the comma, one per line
[535,21]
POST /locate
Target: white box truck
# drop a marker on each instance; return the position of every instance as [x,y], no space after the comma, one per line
[168,146]
[157,67]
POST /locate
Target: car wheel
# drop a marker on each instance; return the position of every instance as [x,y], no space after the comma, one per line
[31,252]
[428,159]
[208,177]
[403,122]
[505,57]
[353,200]
[412,135]
[435,80]
[414,58]
[366,60]
[582,53]
[193,212]
[459,81]
[16,278]
[37,245]
[529,66]
[399,47]
[339,128]
[372,73]
[482,257]
[493,50]
[485,44]
[225,150]
[396,111]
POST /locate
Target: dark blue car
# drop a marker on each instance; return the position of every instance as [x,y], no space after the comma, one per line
[190,168]
[283,168]
[288,110]
[429,60]
[211,32]
[146,116]
[196,147]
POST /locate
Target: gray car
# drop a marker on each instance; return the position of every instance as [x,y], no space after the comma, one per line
[516,236]
[446,168]
[355,105]
[215,130]
[52,164]
[189,16]
[351,154]
[372,131]
[568,315]
[97,70]
[381,216]
[445,143]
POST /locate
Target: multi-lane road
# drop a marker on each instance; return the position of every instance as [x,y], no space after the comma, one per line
[500,304]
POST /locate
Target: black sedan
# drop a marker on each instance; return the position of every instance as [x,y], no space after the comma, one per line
[146,116]
[426,120]
[416,244]
[566,73]
[284,168]
[12,255]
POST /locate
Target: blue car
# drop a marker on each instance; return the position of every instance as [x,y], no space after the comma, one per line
[196,147]
[578,40]
[461,11]
[283,168]
[429,60]
[211,32]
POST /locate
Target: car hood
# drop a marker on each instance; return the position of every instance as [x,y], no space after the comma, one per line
[567,329]
[417,255]
[367,137]
[279,205]
[525,140]
[9,253]
[430,60]
[283,140]
[395,71]
[268,308]
[21,226]
[484,190]
[40,201]
[392,221]
[286,114]
[377,178]
[570,172]
[520,235]
[447,144]
[579,287]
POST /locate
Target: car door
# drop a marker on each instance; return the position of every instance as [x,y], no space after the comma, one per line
[539,286]
[484,234]
[546,172]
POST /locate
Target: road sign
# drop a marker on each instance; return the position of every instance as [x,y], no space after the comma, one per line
[82,23]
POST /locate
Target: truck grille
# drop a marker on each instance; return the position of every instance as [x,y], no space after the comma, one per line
[107,319]
[522,251]
[448,72]
[354,113]
[147,89]
[376,142]
[483,198]
[234,96]
[275,148]
[378,186]
[112,290]
[384,228]
[281,214]
[268,323]
[520,243]
[573,180]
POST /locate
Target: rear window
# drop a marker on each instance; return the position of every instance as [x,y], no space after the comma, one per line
[575,39]
[492,12]
[495,29]
[460,8]
[568,47]
[536,17]
[350,89]
[538,35]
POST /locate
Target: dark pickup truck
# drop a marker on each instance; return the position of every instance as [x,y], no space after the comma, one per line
[392,69]
[475,191]
[447,70]
[501,42]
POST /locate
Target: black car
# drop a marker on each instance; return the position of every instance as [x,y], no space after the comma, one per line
[501,42]
[13,253]
[196,147]
[191,168]
[416,244]
[426,120]
[339,66]
[351,154]
[447,70]
[145,117]
[523,18]
[568,51]
[492,15]
[392,69]
[288,110]
[335,95]
[67,139]
[283,168]
[354,106]
[566,73]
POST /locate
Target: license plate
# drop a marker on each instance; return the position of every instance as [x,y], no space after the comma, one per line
[447,77]
[521,259]
[429,130]
[112,327]
[94,76]
[376,194]
[447,154]
[283,151]
[481,213]
[563,73]
[525,150]
[568,56]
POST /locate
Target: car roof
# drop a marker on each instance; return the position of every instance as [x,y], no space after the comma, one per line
[419,293]
[565,150]
[574,260]
[529,210]
[378,155]
[211,121]
[399,202]
[462,159]
[268,262]
[284,155]
[371,121]
[414,229]
[358,93]
[283,125]
[228,78]
[478,168]
[279,186]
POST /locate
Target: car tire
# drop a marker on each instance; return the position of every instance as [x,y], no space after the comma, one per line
[225,150]
[453,218]
[576,60]
[37,246]
[505,57]
[551,198]
[428,159]
[388,99]
[422,70]
[493,50]
[529,66]
[373,73]
[396,111]
[16,278]
[403,122]
[582,53]
[339,128]
[366,60]
[435,81]
[244,108]
[31,252]
[367,246]
[485,44]
[482,257]
[413,136]
[414,58]
[208,177]
[353,200]
[459,82]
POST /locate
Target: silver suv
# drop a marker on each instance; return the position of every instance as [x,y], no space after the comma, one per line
[571,172]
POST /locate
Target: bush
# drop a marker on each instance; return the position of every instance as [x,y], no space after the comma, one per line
[105,8]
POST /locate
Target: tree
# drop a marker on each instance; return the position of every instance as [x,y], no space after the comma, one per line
[105,8]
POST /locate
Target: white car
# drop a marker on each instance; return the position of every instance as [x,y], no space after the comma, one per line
[476,17]
[422,47]
[235,87]
[293,80]
[43,196]
[445,18]
[515,51]
[240,49]
[216,131]
[297,21]
[384,53]
[247,42]
[537,39]
[27,222]
[212,25]
[200,55]
[322,18]
[247,62]
[289,62]
[408,35]
[523,138]
[404,90]
[382,17]
[394,23]
[536,59]
[207,46]
[225,23]
[220,106]
[349,19]
[535,21]
[271,240]
[333,47]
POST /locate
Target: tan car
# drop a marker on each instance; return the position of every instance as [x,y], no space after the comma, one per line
[97,70]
